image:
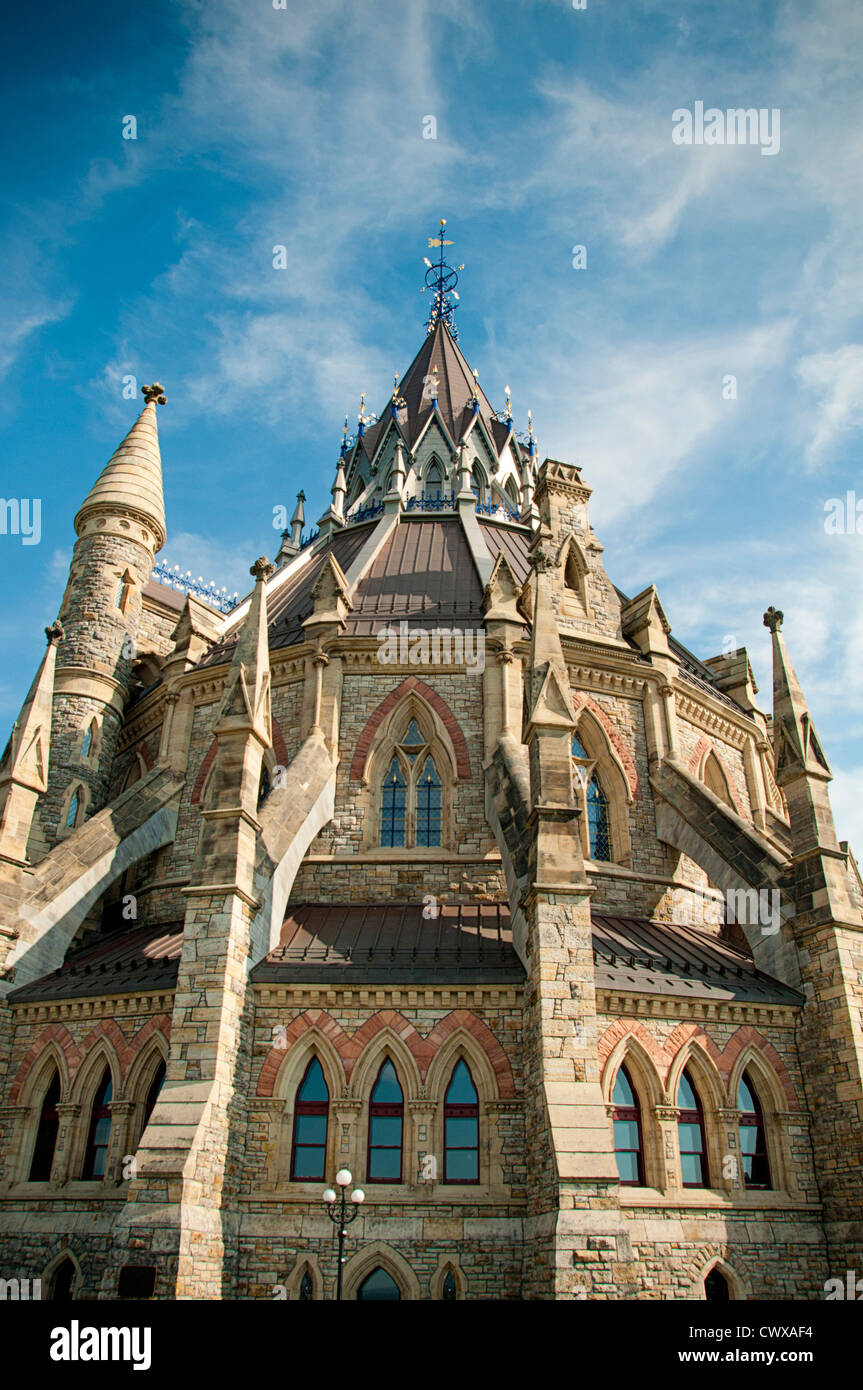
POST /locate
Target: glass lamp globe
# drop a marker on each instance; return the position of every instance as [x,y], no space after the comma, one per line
[343,1177]
[329,1195]
[358,1195]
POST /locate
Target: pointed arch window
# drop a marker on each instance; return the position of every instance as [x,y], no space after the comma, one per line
[434,481]
[264,786]
[716,1287]
[477,484]
[690,1131]
[598,821]
[153,1094]
[386,1126]
[311,1116]
[626,1120]
[449,1292]
[412,795]
[74,808]
[46,1135]
[378,1287]
[461,1127]
[753,1137]
[88,743]
[99,1134]
[63,1281]
[307,1289]
[590,792]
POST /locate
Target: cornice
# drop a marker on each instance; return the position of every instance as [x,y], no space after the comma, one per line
[618,1003]
[117,1006]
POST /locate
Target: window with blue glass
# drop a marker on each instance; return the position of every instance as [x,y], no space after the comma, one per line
[393,807]
[99,1134]
[412,794]
[311,1114]
[690,1130]
[626,1120]
[461,1127]
[386,1125]
[589,791]
[753,1137]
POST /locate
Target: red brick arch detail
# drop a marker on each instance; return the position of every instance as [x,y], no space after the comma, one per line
[663,1055]
[76,1053]
[614,736]
[145,755]
[350,1046]
[463,1018]
[312,1018]
[55,1032]
[440,707]
[280,749]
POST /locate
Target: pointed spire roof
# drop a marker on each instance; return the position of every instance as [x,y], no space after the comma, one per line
[25,758]
[131,481]
[439,357]
[797,747]
[246,696]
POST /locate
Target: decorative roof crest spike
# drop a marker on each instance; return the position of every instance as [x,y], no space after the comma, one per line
[397,402]
[441,279]
[363,418]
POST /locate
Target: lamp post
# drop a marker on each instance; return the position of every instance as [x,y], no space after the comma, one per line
[341,1215]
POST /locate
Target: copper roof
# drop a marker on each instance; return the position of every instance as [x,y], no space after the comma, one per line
[425,574]
[642,957]
[394,942]
[123,963]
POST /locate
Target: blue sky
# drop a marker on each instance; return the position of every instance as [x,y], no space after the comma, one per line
[303,127]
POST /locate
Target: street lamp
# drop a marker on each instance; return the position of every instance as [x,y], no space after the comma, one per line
[341,1215]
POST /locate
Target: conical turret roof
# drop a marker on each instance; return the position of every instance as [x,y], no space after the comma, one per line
[132,478]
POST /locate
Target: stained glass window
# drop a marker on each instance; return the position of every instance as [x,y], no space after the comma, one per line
[429,805]
[393,807]
[597,821]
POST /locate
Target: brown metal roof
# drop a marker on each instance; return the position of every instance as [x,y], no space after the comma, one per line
[425,574]
[514,544]
[394,942]
[144,959]
[633,954]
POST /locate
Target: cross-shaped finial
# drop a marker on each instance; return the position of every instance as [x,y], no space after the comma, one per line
[262,569]
[773,619]
[55,633]
[154,393]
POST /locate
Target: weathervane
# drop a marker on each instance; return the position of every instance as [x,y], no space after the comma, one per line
[441,279]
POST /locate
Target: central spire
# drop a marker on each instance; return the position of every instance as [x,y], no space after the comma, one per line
[441,279]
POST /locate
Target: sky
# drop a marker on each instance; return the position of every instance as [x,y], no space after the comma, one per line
[701,360]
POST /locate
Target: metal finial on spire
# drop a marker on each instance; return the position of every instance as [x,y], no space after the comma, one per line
[508,398]
[441,279]
[363,418]
[154,393]
[397,402]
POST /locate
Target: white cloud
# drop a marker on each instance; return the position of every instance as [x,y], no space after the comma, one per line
[835,379]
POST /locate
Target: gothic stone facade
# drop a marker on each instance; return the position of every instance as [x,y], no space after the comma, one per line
[240,851]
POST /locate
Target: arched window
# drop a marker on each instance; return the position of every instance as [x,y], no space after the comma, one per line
[595,802]
[510,487]
[753,1139]
[714,778]
[597,821]
[307,1289]
[393,807]
[74,807]
[477,484]
[434,480]
[311,1114]
[88,741]
[412,795]
[264,786]
[386,1123]
[99,1133]
[46,1135]
[153,1094]
[119,593]
[716,1287]
[62,1281]
[626,1120]
[449,1292]
[378,1287]
[690,1130]
[461,1127]
[429,805]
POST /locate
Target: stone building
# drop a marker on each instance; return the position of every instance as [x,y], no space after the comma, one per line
[437,858]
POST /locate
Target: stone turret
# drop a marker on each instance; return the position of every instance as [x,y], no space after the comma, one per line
[120,527]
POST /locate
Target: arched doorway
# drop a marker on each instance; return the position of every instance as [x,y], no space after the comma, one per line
[378,1287]
[61,1282]
[716,1287]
